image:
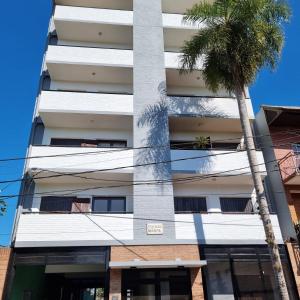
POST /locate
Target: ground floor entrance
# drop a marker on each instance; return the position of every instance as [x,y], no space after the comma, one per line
[171,284]
[161,272]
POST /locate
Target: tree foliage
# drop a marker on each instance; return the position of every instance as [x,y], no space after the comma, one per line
[237,38]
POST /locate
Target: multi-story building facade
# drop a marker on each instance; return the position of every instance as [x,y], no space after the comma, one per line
[279,127]
[119,199]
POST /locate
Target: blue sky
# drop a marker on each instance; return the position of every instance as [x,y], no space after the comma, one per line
[24,26]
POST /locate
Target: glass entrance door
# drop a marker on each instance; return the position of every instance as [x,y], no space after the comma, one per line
[169,284]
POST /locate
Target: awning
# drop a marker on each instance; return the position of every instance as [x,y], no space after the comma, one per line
[150,264]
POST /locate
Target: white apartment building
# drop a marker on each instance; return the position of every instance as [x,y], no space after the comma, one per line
[119,200]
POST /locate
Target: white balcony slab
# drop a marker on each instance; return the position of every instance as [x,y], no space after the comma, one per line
[219,107]
[227,229]
[72,229]
[93,15]
[72,159]
[110,4]
[92,65]
[219,162]
[44,230]
[85,103]
[89,56]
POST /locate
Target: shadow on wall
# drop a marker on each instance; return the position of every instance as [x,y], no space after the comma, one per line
[201,107]
[155,118]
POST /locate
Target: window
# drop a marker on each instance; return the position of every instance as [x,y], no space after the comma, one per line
[237,272]
[109,204]
[190,204]
[236,205]
[88,143]
[193,145]
[59,204]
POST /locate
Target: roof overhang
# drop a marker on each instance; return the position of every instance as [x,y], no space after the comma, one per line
[153,264]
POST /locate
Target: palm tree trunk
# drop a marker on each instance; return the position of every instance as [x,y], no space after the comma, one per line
[261,197]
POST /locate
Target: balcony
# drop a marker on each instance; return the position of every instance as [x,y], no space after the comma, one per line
[86,110]
[289,167]
[228,165]
[78,64]
[98,161]
[77,159]
[217,228]
[177,6]
[111,27]
[93,25]
[41,230]
[109,67]
[110,4]
[221,107]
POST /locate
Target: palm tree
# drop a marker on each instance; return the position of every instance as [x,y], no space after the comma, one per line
[239,37]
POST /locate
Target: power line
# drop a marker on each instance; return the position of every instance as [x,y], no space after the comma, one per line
[189,179]
[132,148]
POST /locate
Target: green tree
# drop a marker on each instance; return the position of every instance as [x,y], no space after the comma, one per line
[236,38]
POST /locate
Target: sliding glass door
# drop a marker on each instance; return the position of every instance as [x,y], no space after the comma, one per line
[169,284]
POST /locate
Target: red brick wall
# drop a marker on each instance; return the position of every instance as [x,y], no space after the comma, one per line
[165,252]
[115,284]
[159,252]
[282,138]
[4,261]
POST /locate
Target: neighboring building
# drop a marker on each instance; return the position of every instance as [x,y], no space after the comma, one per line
[279,127]
[119,201]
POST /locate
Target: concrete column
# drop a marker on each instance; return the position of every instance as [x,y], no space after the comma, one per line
[150,128]
[196,284]
[115,284]
[4,261]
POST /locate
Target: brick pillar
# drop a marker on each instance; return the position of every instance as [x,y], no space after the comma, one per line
[4,261]
[115,284]
[196,283]
[294,254]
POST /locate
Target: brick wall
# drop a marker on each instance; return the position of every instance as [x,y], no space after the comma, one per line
[4,261]
[196,283]
[159,252]
[115,284]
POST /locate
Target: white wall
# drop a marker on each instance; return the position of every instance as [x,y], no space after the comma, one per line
[218,162]
[224,228]
[76,229]
[74,163]
[86,103]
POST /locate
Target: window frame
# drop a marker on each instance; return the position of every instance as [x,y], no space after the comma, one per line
[237,199]
[109,199]
[203,198]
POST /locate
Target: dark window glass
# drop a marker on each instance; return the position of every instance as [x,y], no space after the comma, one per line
[109,204]
[225,146]
[190,204]
[243,273]
[193,145]
[87,143]
[243,205]
[189,145]
[60,204]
